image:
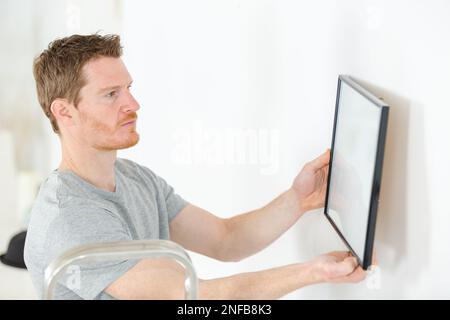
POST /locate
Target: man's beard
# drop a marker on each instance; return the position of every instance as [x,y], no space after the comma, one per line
[111,144]
[109,141]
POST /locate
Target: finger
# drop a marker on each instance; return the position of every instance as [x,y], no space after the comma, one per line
[340,255]
[321,161]
[324,176]
[374,258]
[357,275]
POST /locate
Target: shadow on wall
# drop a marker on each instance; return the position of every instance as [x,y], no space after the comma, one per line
[403,221]
[403,233]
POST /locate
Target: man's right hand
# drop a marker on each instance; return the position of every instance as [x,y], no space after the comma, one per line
[336,267]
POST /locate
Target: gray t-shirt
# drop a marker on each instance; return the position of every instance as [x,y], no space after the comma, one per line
[70,212]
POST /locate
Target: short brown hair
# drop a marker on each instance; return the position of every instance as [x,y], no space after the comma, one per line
[58,69]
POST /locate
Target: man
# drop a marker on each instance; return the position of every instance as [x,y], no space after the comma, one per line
[84,89]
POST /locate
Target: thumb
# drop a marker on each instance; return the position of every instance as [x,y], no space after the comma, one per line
[345,267]
[320,161]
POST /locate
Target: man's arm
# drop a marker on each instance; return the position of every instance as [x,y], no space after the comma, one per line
[243,235]
[164,279]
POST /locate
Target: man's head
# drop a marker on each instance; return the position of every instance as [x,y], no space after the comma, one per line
[84,89]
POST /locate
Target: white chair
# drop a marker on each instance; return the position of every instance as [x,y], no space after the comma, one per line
[122,250]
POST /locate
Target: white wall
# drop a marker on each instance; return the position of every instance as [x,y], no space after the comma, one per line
[205,67]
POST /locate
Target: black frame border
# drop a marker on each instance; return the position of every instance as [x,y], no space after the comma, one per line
[376,184]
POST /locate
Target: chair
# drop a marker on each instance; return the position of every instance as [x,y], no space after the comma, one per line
[134,249]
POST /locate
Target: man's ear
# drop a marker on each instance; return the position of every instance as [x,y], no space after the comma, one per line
[64,112]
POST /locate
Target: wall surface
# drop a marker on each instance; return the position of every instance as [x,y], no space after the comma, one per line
[236,96]
[269,69]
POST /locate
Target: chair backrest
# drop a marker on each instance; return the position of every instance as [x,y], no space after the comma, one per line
[133,249]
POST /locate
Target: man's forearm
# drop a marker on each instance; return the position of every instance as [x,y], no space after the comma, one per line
[266,284]
[164,279]
[251,232]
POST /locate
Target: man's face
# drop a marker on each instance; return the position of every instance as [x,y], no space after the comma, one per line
[107,110]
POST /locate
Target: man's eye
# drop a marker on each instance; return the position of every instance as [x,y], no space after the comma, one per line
[111,94]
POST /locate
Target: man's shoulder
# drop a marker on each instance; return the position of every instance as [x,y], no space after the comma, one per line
[61,190]
[132,169]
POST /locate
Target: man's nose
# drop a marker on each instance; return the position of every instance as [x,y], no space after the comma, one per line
[130,105]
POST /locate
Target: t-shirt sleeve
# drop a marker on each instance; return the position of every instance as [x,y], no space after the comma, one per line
[80,226]
[174,202]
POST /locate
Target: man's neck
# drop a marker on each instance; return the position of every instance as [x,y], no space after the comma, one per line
[93,166]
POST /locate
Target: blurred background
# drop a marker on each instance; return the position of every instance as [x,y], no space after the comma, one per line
[235,97]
